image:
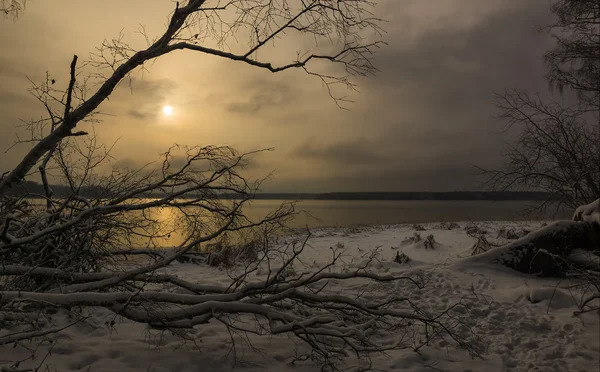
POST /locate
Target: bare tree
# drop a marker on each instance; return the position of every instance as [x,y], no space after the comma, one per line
[69,252]
[66,255]
[12,8]
[557,148]
[556,151]
[574,63]
[263,22]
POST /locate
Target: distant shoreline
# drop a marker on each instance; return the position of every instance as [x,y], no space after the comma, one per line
[35,190]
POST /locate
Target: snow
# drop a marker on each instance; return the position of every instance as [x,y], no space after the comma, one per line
[525,323]
[588,212]
[494,254]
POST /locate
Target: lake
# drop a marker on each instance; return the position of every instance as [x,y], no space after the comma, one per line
[345,213]
[342,213]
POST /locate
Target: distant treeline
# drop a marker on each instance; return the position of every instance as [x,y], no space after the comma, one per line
[33,189]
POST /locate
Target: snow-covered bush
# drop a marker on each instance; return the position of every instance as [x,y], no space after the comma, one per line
[225,253]
[481,245]
[472,229]
[429,242]
[511,233]
[418,227]
[447,226]
[401,258]
[411,239]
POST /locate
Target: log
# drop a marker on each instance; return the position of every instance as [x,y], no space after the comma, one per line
[545,252]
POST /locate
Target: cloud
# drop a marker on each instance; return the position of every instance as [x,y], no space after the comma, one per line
[259,95]
[146,97]
[391,178]
[502,48]
[354,151]
[435,94]
[8,98]
[418,124]
[143,115]
[9,69]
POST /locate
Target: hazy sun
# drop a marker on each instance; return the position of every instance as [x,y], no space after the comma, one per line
[168,110]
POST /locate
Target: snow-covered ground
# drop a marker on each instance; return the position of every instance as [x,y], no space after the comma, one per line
[525,323]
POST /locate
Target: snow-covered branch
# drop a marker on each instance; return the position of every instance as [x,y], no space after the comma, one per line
[330,323]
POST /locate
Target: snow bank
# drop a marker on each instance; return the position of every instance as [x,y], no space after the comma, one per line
[524,323]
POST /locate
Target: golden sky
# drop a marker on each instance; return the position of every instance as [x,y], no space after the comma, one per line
[416,126]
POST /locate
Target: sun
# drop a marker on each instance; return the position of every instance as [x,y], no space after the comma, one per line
[168,110]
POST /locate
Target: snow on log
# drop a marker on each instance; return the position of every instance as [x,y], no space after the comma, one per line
[588,213]
[544,252]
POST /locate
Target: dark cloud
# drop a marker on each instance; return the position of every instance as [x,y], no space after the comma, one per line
[355,151]
[394,177]
[260,95]
[142,115]
[433,158]
[440,89]
[462,67]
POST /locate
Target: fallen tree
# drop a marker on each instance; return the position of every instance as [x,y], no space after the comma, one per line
[547,251]
[563,249]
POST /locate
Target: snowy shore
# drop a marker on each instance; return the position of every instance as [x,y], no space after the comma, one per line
[523,323]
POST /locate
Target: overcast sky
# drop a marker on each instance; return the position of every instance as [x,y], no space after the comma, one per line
[416,126]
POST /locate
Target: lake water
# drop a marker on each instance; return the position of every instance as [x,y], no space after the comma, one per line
[341,213]
[345,213]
